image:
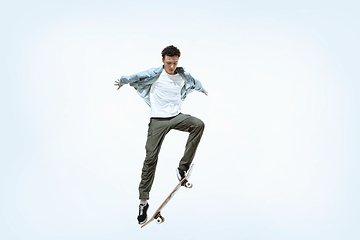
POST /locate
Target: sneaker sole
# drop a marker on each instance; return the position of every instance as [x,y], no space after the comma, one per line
[141,223]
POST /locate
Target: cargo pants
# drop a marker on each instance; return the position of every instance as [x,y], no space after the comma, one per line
[158,128]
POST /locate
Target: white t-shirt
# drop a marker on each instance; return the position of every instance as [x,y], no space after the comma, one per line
[165,95]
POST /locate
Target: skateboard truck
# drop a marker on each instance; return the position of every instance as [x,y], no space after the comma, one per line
[187,184]
[159,219]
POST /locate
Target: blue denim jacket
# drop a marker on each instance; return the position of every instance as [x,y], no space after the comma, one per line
[142,82]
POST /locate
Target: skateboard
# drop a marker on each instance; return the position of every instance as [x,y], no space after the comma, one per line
[157,215]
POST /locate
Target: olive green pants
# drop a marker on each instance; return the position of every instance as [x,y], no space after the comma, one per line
[158,128]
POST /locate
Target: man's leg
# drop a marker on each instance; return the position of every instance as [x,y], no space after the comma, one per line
[156,134]
[195,127]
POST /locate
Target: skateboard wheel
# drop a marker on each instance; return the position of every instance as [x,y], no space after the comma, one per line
[188,185]
[160,219]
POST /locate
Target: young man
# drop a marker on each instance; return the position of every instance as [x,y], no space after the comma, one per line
[163,89]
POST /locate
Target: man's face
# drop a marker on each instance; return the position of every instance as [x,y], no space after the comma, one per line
[170,64]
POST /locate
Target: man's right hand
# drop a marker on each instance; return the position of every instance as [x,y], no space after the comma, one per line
[117,84]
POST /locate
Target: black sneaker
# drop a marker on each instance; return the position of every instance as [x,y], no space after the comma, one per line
[142,218]
[181,175]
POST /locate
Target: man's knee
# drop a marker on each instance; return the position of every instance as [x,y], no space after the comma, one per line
[201,124]
[197,124]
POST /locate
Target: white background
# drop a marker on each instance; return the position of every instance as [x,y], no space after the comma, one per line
[279,157]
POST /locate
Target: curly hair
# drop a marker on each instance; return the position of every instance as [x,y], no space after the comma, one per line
[170,51]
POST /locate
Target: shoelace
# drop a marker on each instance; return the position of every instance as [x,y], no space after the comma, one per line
[141,208]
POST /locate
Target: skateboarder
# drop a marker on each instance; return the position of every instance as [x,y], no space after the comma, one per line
[163,89]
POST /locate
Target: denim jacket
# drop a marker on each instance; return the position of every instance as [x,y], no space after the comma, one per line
[142,82]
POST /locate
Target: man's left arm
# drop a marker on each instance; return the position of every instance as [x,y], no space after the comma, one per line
[198,85]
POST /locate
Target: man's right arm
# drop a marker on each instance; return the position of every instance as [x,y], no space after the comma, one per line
[133,78]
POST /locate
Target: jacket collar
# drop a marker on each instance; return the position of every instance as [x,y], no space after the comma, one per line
[160,69]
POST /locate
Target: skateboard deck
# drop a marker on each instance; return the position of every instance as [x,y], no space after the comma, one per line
[157,215]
